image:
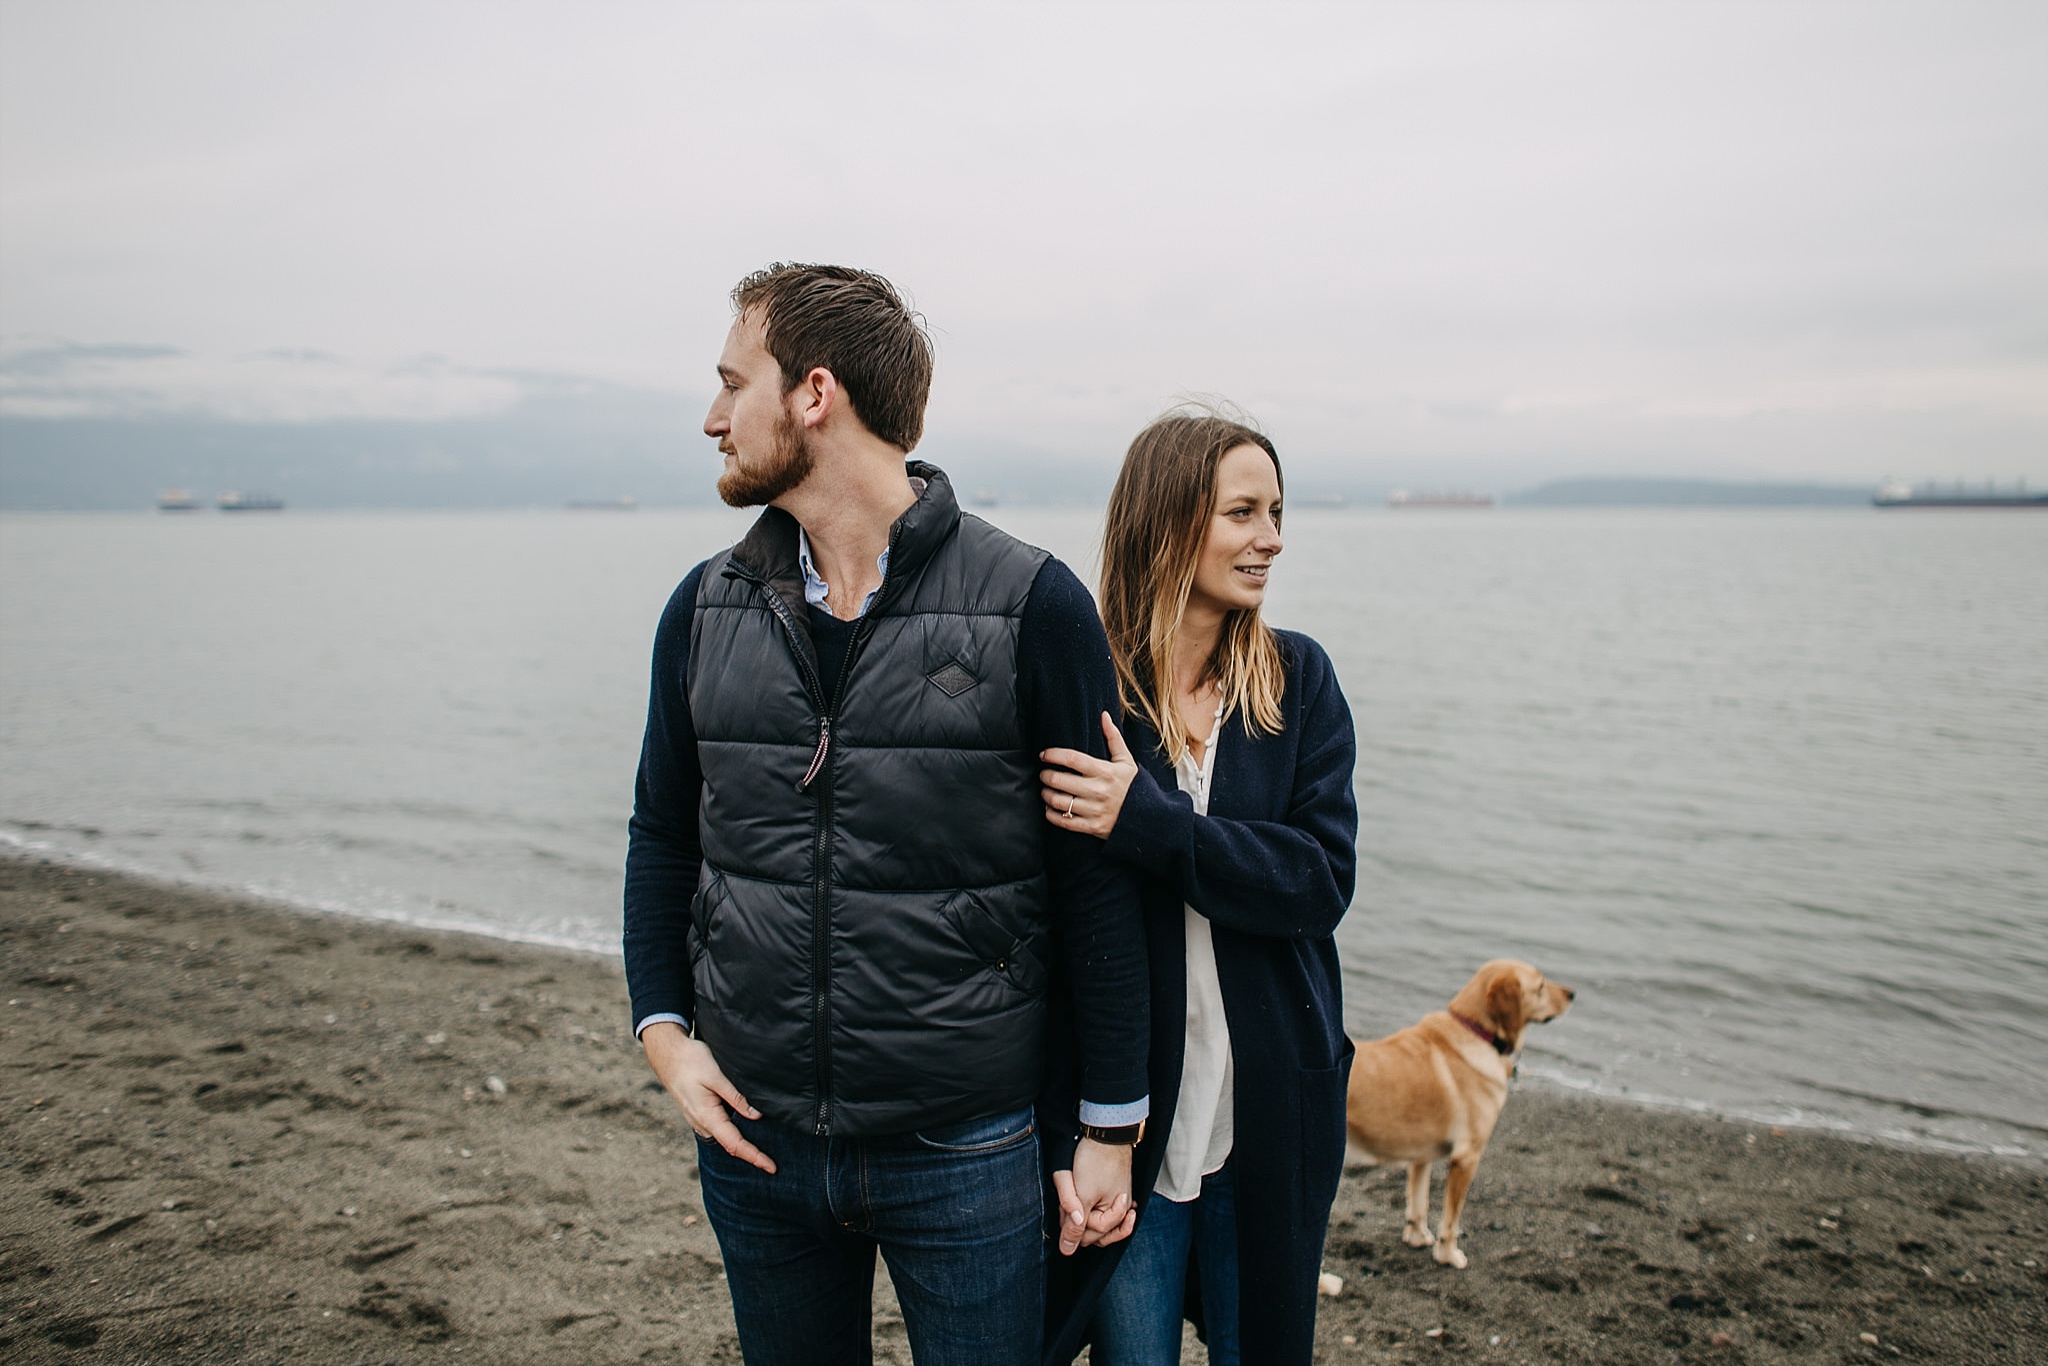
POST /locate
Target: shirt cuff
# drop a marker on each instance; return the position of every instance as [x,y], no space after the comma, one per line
[657,1019]
[1114,1116]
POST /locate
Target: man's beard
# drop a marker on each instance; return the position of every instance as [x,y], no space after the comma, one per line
[785,466]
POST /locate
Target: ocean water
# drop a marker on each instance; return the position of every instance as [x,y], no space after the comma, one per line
[1770,788]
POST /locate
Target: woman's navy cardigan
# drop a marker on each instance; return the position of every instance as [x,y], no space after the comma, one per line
[1272,868]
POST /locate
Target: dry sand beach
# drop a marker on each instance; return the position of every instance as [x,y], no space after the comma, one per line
[234,1133]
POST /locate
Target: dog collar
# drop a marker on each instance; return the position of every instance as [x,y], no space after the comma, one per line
[1500,1045]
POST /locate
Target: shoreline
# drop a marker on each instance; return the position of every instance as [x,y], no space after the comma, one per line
[1532,1080]
[241,1132]
[15,849]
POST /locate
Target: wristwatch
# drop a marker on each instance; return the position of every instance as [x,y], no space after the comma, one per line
[1114,1135]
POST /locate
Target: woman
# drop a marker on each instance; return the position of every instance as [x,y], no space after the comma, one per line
[1233,800]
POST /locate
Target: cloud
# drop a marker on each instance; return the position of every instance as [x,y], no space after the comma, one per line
[1656,236]
[54,379]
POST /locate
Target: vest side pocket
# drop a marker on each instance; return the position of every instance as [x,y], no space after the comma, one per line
[704,908]
[1017,955]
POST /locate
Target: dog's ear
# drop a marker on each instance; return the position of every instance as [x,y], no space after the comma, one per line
[1504,1001]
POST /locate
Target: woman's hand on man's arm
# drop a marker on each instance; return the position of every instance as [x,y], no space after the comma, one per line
[1085,794]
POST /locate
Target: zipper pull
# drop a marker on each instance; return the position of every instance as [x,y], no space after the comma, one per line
[818,759]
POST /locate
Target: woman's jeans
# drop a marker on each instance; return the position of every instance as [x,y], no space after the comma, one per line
[1137,1320]
[956,1211]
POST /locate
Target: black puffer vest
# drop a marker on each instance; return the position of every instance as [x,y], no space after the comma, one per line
[871,943]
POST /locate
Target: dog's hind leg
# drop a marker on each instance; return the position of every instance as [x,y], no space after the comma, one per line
[1456,1182]
[1416,1232]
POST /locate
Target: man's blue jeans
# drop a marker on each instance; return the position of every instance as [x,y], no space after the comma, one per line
[1137,1320]
[956,1211]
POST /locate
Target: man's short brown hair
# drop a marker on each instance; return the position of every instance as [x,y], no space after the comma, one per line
[853,323]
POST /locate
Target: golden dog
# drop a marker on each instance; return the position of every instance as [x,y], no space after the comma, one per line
[1435,1089]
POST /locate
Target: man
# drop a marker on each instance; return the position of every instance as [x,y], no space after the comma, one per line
[845,914]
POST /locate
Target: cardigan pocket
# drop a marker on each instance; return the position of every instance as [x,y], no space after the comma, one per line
[1322,1137]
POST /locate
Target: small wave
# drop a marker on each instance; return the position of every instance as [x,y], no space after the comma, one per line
[91,832]
[244,805]
[296,901]
[1924,1111]
[458,924]
[1793,1116]
[81,858]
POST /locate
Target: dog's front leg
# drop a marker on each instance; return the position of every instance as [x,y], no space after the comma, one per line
[1416,1232]
[1456,1182]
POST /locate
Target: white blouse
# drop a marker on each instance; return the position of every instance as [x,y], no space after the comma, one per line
[1200,1139]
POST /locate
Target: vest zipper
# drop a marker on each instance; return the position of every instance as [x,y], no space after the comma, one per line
[821,889]
[821,857]
[803,784]
[821,851]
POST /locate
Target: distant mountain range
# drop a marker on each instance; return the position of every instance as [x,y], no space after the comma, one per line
[555,444]
[559,440]
[563,441]
[106,426]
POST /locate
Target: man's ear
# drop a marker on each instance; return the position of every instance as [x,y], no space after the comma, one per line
[817,397]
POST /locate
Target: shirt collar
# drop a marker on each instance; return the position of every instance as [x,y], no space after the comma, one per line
[815,587]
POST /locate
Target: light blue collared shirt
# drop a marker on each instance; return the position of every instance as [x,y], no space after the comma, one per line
[816,589]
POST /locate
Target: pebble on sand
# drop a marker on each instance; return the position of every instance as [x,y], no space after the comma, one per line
[1867,1339]
[1330,1285]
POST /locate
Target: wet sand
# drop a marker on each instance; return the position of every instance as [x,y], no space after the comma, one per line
[234,1133]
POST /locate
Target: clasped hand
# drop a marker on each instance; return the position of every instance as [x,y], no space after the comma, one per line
[1085,794]
[1095,1197]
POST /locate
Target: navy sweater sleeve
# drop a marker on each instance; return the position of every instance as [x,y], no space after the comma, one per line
[663,853]
[1286,879]
[1065,683]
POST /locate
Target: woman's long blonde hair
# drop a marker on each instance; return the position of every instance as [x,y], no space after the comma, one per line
[1152,540]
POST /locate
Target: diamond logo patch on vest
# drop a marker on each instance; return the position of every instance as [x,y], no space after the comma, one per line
[953,679]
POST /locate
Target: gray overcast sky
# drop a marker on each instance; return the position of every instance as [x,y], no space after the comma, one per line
[1473,240]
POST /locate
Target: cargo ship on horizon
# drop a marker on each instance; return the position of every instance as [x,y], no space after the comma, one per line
[1897,493]
[1401,498]
[231,501]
